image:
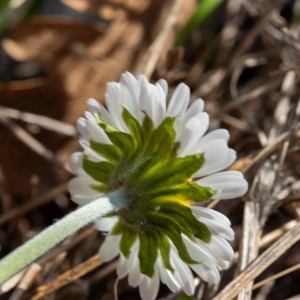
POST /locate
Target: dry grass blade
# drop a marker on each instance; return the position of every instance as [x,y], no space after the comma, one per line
[31,142]
[249,243]
[275,234]
[69,243]
[45,122]
[12,282]
[269,238]
[260,264]
[243,60]
[26,281]
[258,208]
[34,203]
[283,106]
[285,272]
[271,148]
[232,121]
[68,277]
[153,53]
[256,93]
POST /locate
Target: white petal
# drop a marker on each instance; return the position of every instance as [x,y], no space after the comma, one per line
[191,133]
[106,223]
[81,127]
[164,86]
[80,190]
[145,293]
[154,285]
[204,121]
[93,105]
[129,86]
[146,97]
[230,159]
[221,248]
[134,250]
[228,184]
[75,163]
[178,126]
[130,92]
[167,276]
[215,155]
[188,137]
[149,287]
[201,252]
[208,273]
[89,116]
[92,155]
[182,272]
[216,222]
[195,108]
[197,253]
[214,259]
[179,100]
[152,100]
[110,247]
[161,99]
[222,134]
[97,134]
[203,211]
[113,100]
[158,111]
[144,286]
[123,266]
[134,276]
[217,227]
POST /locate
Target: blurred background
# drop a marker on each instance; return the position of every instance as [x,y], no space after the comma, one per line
[240,56]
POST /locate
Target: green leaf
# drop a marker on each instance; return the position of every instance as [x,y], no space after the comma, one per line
[162,140]
[203,10]
[4,4]
[147,128]
[172,172]
[157,149]
[13,13]
[118,228]
[183,216]
[37,8]
[100,171]
[134,127]
[106,127]
[129,236]
[174,150]
[183,191]
[108,151]
[186,297]
[101,188]
[169,227]
[164,249]
[122,140]
[148,252]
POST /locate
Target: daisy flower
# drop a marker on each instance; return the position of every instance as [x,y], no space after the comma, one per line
[158,155]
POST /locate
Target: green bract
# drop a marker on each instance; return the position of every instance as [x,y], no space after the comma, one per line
[157,187]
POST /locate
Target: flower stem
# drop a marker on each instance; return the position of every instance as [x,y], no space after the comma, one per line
[31,250]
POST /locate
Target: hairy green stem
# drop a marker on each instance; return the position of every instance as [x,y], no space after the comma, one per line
[31,250]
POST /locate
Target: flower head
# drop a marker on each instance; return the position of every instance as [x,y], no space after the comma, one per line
[158,155]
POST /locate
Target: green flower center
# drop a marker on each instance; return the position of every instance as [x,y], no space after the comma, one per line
[155,183]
